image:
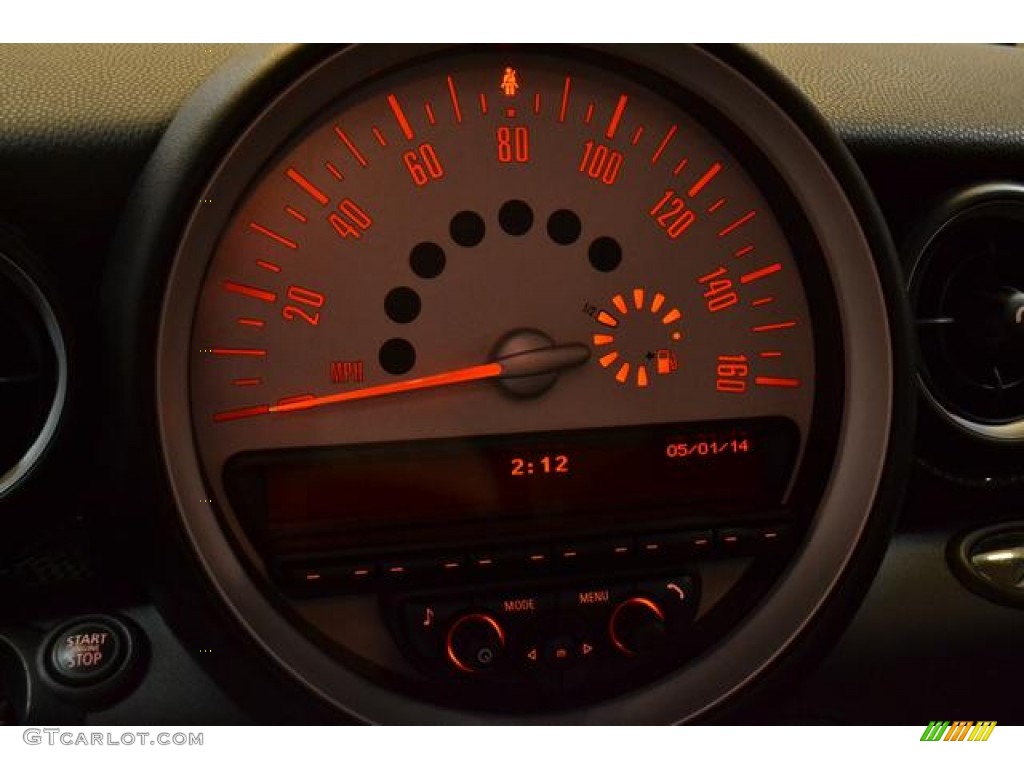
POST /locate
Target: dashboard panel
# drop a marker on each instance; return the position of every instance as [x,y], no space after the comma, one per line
[203,552]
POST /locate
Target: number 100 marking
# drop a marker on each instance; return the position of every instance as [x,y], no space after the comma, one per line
[600,162]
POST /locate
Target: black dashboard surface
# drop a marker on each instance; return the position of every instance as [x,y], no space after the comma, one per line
[77,124]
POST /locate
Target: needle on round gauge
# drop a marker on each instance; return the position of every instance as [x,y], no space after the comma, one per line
[525,362]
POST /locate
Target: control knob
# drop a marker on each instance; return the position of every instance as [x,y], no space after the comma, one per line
[637,626]
[475,643]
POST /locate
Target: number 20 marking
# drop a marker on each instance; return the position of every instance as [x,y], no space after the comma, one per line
[306,297]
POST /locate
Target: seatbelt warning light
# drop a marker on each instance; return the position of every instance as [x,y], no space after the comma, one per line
[510,82]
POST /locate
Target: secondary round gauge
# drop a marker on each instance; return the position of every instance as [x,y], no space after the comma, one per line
[467,352]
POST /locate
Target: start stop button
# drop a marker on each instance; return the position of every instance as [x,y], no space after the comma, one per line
[90,656]
[86,653]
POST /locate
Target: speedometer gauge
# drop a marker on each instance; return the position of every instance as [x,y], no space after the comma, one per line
[494,245]
[497,378]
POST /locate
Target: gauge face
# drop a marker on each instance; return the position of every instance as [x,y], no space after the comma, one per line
[515,249]
[589,346]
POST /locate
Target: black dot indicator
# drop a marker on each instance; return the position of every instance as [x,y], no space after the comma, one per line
[467,229]
[402,304]
[605,254]
[397,356]
[564,227]
[515,218]
[427,260]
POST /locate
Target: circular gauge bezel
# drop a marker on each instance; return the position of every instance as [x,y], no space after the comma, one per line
[992,200]
[814,459]
[869,309]
[22,281]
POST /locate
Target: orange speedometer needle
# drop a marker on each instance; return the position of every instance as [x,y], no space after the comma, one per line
[536,362]
[457,376]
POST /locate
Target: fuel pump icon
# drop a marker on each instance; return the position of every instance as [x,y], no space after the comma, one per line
[665,362]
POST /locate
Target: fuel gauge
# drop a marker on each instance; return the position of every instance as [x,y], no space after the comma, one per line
[638,337]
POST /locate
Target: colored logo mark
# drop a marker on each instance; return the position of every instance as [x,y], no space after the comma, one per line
[961,730]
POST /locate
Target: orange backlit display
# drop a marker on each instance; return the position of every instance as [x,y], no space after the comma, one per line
[684,469]
[388,333]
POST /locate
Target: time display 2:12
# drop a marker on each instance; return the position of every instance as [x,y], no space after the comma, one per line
[557,464]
